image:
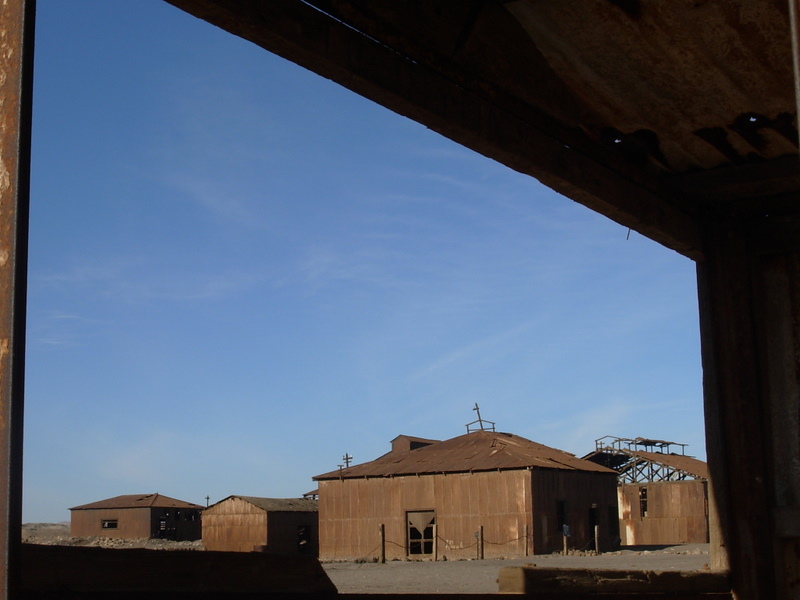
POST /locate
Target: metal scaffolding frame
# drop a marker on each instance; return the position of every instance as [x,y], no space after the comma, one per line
[642,466]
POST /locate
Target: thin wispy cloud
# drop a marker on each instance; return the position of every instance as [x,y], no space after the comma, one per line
[140,279]
[221,201]
[468,353]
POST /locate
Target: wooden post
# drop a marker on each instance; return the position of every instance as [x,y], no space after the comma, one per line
[435,543]
[16,84]
[718,560]
[749,297]
[597,538]
[382,530]
[794,21]
[564,549]
[480,543]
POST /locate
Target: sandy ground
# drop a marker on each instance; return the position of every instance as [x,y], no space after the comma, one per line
[445,577]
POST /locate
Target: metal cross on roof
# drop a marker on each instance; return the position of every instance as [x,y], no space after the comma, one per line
[480,422]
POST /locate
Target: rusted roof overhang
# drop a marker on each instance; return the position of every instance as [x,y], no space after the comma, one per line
[138,501]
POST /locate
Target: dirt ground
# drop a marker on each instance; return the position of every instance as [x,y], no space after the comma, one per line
[444,577]
[480,576]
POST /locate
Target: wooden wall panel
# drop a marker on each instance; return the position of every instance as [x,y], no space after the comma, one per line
[677,513]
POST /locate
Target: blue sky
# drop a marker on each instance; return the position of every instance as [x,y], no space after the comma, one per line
[240,271]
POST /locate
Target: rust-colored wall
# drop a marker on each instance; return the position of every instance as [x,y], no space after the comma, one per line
[352,510]
[677,513]
[235,525]
[282,532]
[584,494]
[131,522]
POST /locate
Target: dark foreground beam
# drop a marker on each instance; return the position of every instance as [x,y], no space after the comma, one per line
[749,291]
[16,79]
[83,572]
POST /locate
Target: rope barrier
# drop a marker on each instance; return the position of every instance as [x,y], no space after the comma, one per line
[446,545]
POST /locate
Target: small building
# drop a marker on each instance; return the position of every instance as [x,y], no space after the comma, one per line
[484,494]
[137,516]
[663,493]
[251,524]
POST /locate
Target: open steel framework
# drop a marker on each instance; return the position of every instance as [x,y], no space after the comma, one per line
[657,463]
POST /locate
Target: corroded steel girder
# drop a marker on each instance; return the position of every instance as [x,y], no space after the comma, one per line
[16,82]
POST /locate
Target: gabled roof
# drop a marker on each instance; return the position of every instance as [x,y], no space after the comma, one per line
[138,501]
[476,451]
[276,504]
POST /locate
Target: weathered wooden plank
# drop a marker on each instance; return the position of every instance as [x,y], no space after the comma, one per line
[563,595]
[535,581]
[415,596]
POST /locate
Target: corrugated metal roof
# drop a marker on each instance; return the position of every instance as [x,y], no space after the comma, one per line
[679,462]
[138,501]
[476,451]
[278,504]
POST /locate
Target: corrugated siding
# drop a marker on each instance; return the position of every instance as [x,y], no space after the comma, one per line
[131,522]
[234,526]
[677,513]
[352,510]
[578,491]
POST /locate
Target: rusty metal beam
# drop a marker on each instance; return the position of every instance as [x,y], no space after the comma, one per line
[16,83]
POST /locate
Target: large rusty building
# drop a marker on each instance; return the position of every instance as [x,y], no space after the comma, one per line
[482,494]
[137,516]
